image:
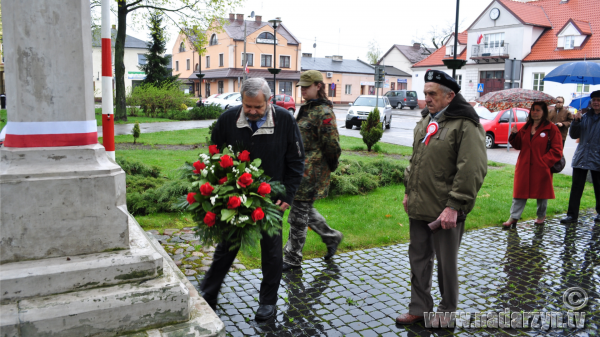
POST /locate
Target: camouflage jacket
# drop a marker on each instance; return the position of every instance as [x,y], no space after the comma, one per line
[321,140]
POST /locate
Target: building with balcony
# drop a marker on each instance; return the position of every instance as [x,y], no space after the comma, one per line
[539,35]
[222,62]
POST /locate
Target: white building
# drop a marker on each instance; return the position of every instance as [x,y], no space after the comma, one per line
[134,56]
[404,57]
[541,35]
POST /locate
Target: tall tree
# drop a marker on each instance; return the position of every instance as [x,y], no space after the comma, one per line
[156,64]
[374,52]
[437,35]
[185,14]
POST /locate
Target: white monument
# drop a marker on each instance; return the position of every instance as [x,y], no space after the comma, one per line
[73,261]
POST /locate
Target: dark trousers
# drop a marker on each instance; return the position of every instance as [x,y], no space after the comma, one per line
[423,247]
[271,260]
[579,178]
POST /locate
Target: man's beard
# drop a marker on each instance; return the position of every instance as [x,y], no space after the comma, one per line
[255,117]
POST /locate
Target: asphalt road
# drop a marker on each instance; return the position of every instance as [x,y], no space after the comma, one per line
[400,133]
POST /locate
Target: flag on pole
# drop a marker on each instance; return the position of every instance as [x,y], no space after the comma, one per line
[246,70]
[479,39]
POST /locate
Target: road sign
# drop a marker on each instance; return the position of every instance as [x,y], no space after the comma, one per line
[480,87]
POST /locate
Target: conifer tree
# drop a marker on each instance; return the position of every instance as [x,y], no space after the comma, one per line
[155,68]
[371,129]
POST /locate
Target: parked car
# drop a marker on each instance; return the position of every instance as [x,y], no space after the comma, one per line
[229,99]
[401,98]
[363,105]
[212,99]
[286,102]
[496,124]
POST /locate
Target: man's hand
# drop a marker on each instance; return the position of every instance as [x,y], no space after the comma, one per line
[448,218]
[514,129]
[560,125]
[577,116]
[405,203]
[282,205]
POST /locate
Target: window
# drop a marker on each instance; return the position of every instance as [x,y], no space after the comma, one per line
[176,65]
[494,40]
[348,90]
[197,67]
[458,79]
[187,64]
[265,60]
[284,61]
[182,47]
[208,62]
[271,86]
[220,60]
[265,37]
[331,90]
[538,81]
[393,86]
[287,99]
[213,40]
[521,116]
[285,87]
[586,88]
[220,87]
[250,60]
[569,42]
[142,59]
[207,89]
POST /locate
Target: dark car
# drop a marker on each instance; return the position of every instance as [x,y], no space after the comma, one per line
[286,102]
[401,98]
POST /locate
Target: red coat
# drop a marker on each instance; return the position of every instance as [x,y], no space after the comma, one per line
[533,179]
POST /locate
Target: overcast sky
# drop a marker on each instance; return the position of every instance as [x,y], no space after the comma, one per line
[345,27]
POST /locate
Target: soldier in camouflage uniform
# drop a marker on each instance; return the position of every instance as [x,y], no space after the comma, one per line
[321,140]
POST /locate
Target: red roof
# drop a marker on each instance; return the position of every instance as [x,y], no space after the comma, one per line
[463,37]
[528,13]
[581,12]
[437,57]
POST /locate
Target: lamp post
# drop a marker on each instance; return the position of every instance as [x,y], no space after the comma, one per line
[246,55]
[274,70]
[199,74]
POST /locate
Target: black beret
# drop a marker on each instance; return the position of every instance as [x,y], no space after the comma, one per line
[595,94]
[442,78]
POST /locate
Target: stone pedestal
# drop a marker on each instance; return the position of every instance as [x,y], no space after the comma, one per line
[73,262]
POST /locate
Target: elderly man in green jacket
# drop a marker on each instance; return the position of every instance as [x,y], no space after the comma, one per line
[446,170]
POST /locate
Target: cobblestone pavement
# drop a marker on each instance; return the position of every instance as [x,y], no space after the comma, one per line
[360,293]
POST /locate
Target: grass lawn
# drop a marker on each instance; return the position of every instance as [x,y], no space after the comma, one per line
[2,118]
[181,137]
[373,220]
[130,119]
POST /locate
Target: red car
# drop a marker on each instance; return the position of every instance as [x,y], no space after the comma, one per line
[286,102]
[495,124]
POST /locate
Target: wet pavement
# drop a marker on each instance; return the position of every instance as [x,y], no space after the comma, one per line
[360,293]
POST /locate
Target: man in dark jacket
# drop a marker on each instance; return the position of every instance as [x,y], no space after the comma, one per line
[561,117]
[446,171]
[587,157]
[270,133]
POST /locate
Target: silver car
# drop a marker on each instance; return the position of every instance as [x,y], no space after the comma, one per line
[363,105]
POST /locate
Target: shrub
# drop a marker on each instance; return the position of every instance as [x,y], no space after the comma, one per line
[212,111]
[355,177]
[164,98]
[371,129]
[182,107]
[137,168]
[136,132]
[163,198]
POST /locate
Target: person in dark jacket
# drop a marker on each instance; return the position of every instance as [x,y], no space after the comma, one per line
[586,127]
[533,179]
[561,117]
[270,133]
[321,140]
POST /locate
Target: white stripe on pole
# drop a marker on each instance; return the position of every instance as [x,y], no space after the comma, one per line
[107,92]
[51,128]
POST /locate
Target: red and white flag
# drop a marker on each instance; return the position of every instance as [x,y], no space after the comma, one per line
[246,70]
[479,39]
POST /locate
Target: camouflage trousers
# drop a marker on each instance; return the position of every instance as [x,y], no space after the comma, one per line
[303,215]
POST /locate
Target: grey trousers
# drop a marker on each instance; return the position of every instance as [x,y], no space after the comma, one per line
[518,205]
[423,247]
[302,215]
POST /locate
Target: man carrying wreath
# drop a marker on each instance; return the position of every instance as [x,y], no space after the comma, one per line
[446,170]
[270,133]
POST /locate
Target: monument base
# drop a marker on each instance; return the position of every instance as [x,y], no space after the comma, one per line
[166,305]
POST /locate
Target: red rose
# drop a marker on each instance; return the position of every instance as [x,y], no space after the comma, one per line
[244,156]
[234,202]
[222,180]
[245,180]
[206,189]
[191,198]
[199,166]
[209,219]
[226,161]
[264,189]
[257,214]
[213,149]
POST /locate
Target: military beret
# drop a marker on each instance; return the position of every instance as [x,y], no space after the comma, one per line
[442,78]
[595,94]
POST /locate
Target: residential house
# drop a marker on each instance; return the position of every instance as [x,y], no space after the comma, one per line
[539,35]
[222,63]
[133,57]
[348,79]
[403,57]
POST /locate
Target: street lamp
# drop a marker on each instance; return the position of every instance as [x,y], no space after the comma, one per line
[246,55]
[274,70]
[200,75]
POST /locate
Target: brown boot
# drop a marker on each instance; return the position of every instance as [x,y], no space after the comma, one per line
[407,318]
[510,223]
[540,221]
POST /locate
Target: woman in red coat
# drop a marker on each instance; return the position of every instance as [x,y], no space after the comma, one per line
[533,179]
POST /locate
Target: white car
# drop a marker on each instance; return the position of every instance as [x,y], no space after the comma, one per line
[229,100]
[212,99]
[363,105]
